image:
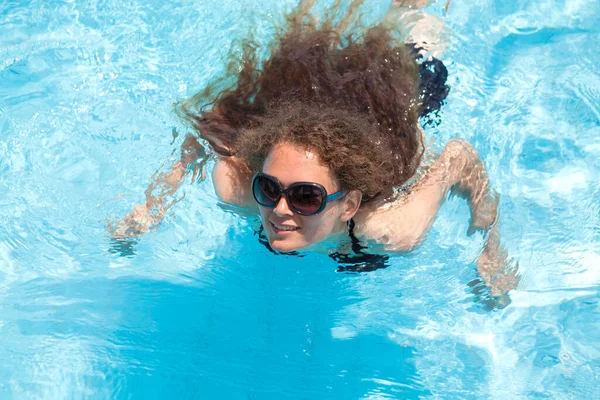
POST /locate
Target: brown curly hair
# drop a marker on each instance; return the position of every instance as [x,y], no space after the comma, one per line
[350,97]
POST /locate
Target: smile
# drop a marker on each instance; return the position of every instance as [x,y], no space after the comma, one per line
[283,228]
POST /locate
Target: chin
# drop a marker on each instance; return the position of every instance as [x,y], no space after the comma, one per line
[285,246]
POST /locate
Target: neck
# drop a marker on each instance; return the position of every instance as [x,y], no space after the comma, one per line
[337,237]
[341,228]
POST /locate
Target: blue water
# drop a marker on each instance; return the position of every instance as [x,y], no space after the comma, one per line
[199,309]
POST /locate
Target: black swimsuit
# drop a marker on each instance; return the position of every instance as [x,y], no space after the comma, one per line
[433,85]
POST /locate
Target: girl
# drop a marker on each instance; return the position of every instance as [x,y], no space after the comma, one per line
[323,141]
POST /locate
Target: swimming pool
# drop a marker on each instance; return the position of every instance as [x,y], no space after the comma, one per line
[199,309]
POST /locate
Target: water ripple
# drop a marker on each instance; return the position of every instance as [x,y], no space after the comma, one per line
[86,117]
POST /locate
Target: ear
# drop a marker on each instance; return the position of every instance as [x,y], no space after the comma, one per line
[351,204]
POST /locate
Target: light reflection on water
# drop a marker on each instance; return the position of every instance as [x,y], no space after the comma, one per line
[199,307]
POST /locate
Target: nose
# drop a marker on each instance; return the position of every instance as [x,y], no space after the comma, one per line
[282,208]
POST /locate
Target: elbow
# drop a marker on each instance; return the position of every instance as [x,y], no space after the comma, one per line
[460,149]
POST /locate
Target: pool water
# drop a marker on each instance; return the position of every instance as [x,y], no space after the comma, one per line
[199,309]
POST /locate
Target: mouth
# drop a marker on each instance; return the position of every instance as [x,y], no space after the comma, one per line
[283,229]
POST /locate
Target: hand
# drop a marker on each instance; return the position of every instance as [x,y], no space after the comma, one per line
[495,268]
[139,221]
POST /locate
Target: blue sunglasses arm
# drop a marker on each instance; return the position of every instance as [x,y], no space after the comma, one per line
[335,196]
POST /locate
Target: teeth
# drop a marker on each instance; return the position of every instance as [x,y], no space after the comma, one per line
[284,228]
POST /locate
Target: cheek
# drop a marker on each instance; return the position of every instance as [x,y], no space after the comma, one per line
[265,214]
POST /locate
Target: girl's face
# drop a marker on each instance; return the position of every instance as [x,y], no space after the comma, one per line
[287,230]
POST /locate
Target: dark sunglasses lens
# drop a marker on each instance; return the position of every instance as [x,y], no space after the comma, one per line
[266,191]
[306,199]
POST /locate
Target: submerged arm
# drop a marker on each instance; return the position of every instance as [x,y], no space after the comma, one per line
[471,181]
[231,179]
[160,194]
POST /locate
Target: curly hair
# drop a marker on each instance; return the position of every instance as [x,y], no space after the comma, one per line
[353,99]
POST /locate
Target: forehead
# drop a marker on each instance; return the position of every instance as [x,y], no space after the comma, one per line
[290,163]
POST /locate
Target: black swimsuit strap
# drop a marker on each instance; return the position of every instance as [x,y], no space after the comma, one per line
[356,246]
[359,261]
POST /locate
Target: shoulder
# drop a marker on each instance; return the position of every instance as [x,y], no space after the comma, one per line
[231,179]
[394,223]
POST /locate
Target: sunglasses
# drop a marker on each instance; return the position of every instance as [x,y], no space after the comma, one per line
[304,198]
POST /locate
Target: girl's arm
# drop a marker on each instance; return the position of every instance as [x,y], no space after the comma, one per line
[495,268]
[160,194]
[231,178]
[402,222]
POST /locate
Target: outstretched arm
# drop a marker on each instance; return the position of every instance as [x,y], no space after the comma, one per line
[471,181]
[160,194]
